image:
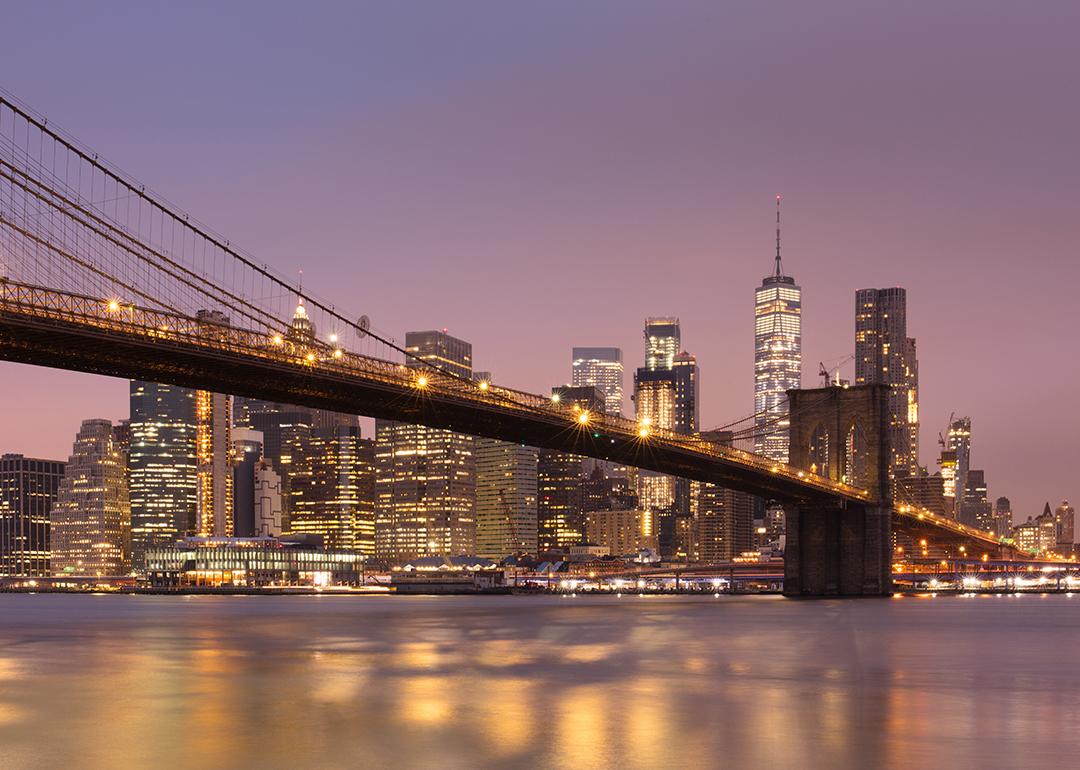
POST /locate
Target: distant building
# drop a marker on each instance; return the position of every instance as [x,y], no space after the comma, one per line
[560,511]
[958,441]
[662,342]
[601,368]
[162,476]
[90,522]
[777,355]
[257,490]
[1003,517]
[722,520]
[213,460]
[1065,520]
[284,429]
[885,354]
[654,402]
[926,491]
[621,531]
[332,490]
[1038,534]
[28,487]
[506,498]
[975,509]
[426,477]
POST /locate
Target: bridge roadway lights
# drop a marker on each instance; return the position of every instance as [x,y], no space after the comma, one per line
[837,550]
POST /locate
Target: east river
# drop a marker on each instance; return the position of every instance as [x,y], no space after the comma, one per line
[538,682]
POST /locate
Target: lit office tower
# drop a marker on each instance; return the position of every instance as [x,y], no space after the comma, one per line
[560,501]
[687,418]
[958,440]
[506,511]
[721,519]
[601,368]
[28,489]
[283,428]
[777,355]
[425,482]
[654,404]
[213,459]
[1003,518]
[662,342]
[885,354]
[332,490]
[161,466]
[90,522]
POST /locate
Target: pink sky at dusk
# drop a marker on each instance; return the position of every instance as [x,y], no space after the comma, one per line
[535,177]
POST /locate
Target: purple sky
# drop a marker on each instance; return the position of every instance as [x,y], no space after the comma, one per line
[539,176]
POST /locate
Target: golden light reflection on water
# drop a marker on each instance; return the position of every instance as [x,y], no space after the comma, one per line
[515,682]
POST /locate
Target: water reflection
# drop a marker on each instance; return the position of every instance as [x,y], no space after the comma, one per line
[537,681]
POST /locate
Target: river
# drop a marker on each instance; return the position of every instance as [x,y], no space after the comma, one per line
[118,681]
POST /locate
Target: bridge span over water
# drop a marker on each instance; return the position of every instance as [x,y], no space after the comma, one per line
[98,275]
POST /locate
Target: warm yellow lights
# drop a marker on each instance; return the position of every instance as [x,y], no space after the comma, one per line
[338,353]
[421,381]
[333,337]
[583,418]
[310,358]
[113,306]
[277,339]
[554,398]
[484,385]
[643,431]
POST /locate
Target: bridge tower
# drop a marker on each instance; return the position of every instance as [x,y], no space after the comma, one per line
[840,548]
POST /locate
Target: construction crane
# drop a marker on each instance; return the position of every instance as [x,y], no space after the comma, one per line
[832,377]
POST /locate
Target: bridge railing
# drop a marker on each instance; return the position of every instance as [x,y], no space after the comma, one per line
[285,347]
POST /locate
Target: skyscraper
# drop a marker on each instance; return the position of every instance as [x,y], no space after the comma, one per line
[655,404]
[958,440]
[662,342]
[975,509]
[426,477]
[777,355]
[284,428]
[601,368]
[28,487]
[560,500]
[332,492]
[256,487]
[687,377]
[213,460]
[161,462]
[90,522]
[885,354]
[721,519]
[1003,518]
[506,491]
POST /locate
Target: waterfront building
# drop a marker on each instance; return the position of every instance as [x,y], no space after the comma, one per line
[256,562]
[90,522]
[426,477]
[662,342]
[1003,522]
[506,498]
[885,354]
[601,368]
[333,490]
[162,478]
[28,487]
[777,355]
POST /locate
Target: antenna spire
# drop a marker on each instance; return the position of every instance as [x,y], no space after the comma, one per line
[779,268]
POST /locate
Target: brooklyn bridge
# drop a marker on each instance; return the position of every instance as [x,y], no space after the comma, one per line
[99,275]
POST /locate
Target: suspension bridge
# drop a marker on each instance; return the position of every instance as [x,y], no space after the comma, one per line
[99,275]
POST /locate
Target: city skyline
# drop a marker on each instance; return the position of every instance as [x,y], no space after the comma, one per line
[1001,242]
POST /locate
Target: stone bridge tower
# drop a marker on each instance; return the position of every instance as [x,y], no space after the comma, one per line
[840,548]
